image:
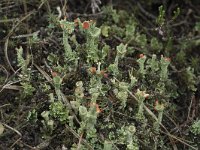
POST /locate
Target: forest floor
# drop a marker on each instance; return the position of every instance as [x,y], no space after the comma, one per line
[97,74]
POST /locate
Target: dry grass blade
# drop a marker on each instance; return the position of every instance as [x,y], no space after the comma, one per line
[77,136]
[11,87]
[13,129]
[47,77]
[6,54]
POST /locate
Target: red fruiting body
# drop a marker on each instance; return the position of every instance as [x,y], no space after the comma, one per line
[98,110]
[156,103]
[54,74]
[93,70]
[167,59]
[141,55]
[86,25]
[105,75]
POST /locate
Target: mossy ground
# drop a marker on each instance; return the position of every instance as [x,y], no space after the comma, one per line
[33,25]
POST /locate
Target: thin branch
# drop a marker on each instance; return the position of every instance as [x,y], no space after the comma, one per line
[77,136]
[13,129]
[6,54]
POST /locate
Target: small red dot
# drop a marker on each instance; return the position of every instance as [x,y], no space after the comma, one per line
[86,25]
